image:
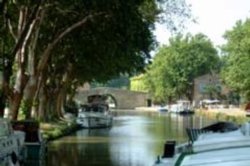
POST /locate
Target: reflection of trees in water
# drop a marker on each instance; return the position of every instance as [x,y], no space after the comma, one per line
[173,126]
[63,155]
[133,135]
[76,154]
[169,127]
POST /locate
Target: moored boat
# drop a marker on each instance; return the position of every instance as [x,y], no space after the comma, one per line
[95,114]
[11,144]
[162,109]
[181,107]
[211,146]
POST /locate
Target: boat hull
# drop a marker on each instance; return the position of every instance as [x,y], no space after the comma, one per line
[223,144]
[11,144]
[95,122]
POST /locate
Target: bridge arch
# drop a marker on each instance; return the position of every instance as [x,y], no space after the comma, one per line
[111,100]
[124,99]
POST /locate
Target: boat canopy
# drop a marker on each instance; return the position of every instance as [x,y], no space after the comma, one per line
[208,101]
[95,108]
[96,98]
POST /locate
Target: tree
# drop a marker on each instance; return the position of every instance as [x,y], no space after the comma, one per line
[175,66]
[235,72]
[158,78]
[212,91]
[54,45]
[119,82]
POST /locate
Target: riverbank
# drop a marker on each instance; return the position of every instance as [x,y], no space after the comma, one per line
[236,115]
[53,130]
[57,129]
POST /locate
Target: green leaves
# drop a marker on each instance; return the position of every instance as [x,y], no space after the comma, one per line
[236,73]
[70,42]
[176,66]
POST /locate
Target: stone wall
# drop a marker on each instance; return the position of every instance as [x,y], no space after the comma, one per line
[125,99]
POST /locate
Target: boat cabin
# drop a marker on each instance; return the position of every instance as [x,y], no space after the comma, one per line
[95,108]
[208,104]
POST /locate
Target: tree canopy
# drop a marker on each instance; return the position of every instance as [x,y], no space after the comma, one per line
[50,46]
[235,72]
[175,66]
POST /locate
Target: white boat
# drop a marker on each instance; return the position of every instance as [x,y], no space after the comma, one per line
[162,109]
[94,116]
[182,107]
[12,144]
[210,104]
[211,149]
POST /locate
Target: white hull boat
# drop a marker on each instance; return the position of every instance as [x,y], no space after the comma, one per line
[211,149]
[94,120]
[182,107]
[95,114]
[12,144]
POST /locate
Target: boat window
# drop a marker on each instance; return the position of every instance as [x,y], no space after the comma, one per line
[86,109]
[101,109]
[95,109]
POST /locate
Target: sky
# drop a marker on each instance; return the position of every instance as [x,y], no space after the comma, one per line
[214,17]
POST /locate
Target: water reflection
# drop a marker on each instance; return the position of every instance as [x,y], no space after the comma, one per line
[134,140]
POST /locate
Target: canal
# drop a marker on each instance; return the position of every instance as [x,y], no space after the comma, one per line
[134,140]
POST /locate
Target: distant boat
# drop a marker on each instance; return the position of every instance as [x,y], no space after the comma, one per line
[209,104]
[95,114]
[182,107]
[162,109]
[221,144]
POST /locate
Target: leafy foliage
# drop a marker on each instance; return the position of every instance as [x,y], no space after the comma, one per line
[119,82]
[176,66]
[58,44]
[174,14]
[116,43]
[236,73]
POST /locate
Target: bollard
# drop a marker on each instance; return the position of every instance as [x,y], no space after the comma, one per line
[169,149]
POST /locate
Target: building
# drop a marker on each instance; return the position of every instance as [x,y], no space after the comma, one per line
[137,84]
[209,86]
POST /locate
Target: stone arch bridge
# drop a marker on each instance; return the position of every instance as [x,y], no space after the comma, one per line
[124,99]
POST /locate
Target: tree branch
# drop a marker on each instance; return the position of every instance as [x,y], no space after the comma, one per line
[33,44]
[20,21]
[11,30]
[26,29]
[46,54]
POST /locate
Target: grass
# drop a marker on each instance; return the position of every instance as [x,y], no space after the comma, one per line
[57,129]
[236,117]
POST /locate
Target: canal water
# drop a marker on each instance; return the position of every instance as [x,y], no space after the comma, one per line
[134,140]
